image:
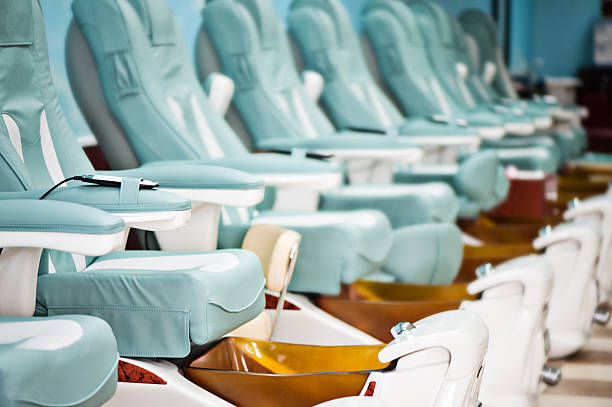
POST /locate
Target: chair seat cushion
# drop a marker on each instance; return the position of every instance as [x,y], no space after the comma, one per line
[60,361]
[479,181]
[403,204]
[528,159]
[556,149]
[336,247]
[172,297]
[435,253]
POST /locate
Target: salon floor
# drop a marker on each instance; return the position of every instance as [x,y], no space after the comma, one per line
[587,376]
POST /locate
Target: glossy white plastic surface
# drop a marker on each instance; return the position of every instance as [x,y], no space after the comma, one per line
[514,298]
[571,250]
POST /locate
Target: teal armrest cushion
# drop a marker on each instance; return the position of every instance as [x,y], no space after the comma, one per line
[191,175]
[30,215]
[264,163]
[108,198]
[409,177]
[345,140]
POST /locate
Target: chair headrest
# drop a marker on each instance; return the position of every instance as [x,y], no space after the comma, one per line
[16,23]
[109,11]
[337,13]
[403,13]
[265,18]
[477,19]
[437,17]
[156,19]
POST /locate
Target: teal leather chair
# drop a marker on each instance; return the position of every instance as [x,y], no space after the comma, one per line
[337,246]
[405,68]
[177,298]
[327,43]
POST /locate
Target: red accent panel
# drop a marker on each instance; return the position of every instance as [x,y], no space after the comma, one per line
[96,156]
[370,390]
[129,373]
[527,197]
[272,303]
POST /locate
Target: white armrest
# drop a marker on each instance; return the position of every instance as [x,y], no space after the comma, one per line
[155,221]
[583,233]
[316,182]
[471,142]
[78,243]
[220,91]
[402,155]
[241,198]
[599,207]
[489,72]
[531,272]
[313,83]
[462,333]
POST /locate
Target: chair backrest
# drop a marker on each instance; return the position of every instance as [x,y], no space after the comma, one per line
[391,29]
[328,44]
[436,27]
[464,54]
[449,53]
[37,146]
[129,68]
[253,49]
[482,29]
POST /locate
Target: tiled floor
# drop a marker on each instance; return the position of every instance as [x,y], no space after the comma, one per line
[587,376]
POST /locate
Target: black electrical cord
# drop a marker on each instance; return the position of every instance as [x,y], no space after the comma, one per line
[75,178]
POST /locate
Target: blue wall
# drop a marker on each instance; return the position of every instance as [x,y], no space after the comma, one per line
[563,34]
[455,7]
[521,35]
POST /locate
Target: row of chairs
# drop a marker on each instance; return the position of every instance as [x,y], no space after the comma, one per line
[230,314]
